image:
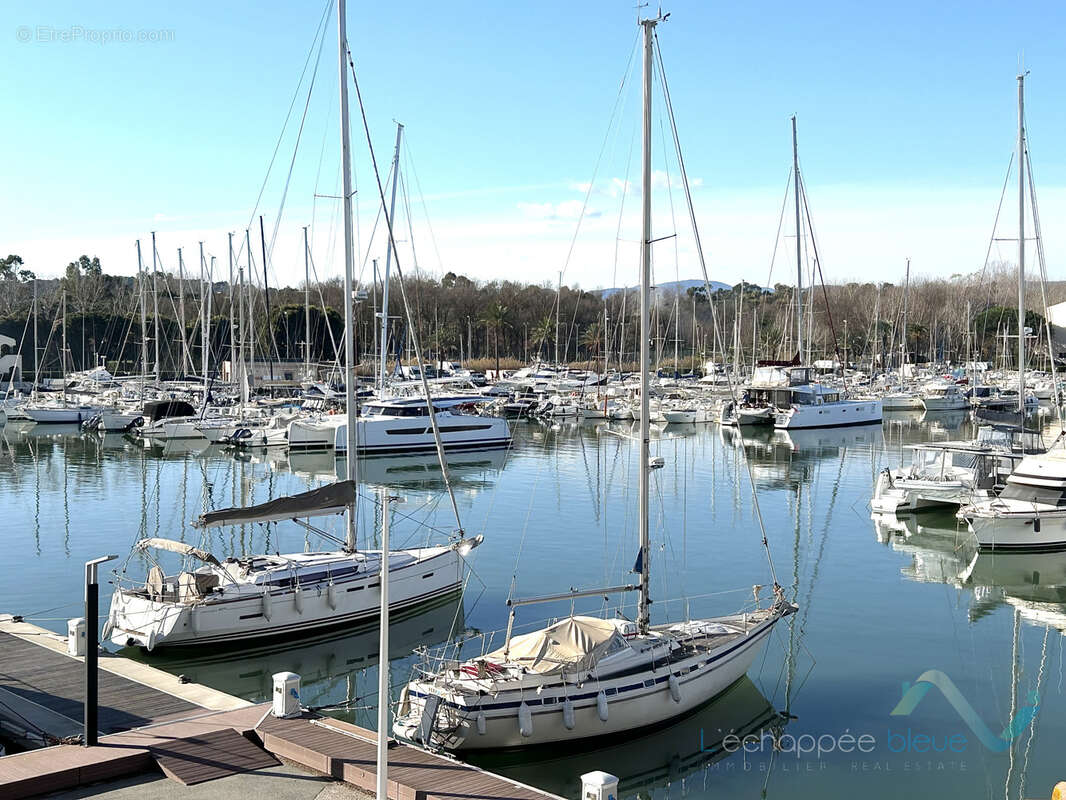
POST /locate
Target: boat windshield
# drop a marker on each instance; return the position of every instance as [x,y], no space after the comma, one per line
[1044,495]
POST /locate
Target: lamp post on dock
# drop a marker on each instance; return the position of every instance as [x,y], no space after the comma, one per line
[92,628]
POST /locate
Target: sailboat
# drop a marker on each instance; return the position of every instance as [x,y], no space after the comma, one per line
[284,594]
[584,676]
[788,388]
[1030,512]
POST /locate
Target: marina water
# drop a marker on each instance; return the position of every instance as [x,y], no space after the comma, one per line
[854,694]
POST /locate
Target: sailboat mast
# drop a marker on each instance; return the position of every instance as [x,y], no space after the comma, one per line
[799,236]
[203,322]
[144,317]
[644,615]
[388,263]
[1021,243]
[232,340]
[903,337]
[185,357]
[155,304]
[349,316]
[307,308]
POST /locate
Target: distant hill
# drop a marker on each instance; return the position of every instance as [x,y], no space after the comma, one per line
[671,287]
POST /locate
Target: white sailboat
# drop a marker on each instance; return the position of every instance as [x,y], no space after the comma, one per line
[1030,513]
[584,676]
[270,595]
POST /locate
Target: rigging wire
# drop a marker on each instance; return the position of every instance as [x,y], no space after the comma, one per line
[707,285]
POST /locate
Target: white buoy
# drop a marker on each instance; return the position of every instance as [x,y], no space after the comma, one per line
[480,720]
[525,720]
[601,706]
[568,714]
[268,603]
[298,600]
[151,640]
[675,688]
[194,620]
[331,597]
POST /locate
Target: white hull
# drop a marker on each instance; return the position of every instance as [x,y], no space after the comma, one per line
[629,702]
[950,403]
[251,613]
[61,415]
[829,415]
[114,421]
[1020,531]
[401,434]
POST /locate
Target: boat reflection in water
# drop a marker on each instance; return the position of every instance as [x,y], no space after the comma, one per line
[783,459]
[416,471]
[943,551]
[329,664]
[1032,583]
[656,758]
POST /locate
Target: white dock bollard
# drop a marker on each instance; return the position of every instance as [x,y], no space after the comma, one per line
[286,695]
[76,637]
[599,785]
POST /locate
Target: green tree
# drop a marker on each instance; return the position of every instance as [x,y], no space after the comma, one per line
[541,333]
[496,318]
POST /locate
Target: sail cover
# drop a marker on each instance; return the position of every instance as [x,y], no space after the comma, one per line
[330,499]
[173,546]
[575,643]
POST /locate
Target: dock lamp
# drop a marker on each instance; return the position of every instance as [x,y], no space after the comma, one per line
[92,628]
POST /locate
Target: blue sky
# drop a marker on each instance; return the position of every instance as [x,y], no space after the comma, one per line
[906,125]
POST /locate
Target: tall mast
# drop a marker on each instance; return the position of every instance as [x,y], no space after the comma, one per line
[203,322]
[388,263]
[799,237]
[266,296]
[232,337]
[307,308]
[241,374]
[63,355]
[248,321]
[349,317]
[644,614]
[155,305]
[906,294]
[144,316]
[1021,243]
[207,323]
[186,358]
[36,366]
[558,316]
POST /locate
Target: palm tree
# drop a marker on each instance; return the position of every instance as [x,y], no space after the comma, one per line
[495,317]
[542,333]
[592,339]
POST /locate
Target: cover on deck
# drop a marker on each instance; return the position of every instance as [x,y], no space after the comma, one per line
[177,547]
[576,643]
[332,498]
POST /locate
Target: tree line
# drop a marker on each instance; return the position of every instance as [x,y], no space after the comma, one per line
[509,322]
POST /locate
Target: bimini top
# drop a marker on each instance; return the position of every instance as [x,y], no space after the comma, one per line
[333,498]
[576,643]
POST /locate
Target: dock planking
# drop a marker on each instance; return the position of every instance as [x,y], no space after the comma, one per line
[349,753]
[57,682]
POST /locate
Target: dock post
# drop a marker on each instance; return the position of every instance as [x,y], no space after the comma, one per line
[92,629]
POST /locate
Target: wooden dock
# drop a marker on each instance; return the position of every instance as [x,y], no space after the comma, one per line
[349,753]
[151,720]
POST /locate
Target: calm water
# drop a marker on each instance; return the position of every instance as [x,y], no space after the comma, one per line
[880,603]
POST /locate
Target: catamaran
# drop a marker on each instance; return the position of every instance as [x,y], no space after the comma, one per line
[585,676]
